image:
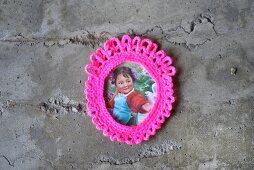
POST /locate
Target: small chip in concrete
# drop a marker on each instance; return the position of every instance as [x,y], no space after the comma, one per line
[63,42]
[51,100]
[9,103]
[1,111]
[55,111]
[233,70]
[71,102]
[43,108]
[66,100]
[49,43]
[73,109]
[57,102]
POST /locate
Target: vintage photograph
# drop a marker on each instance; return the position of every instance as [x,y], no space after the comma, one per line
[130,93]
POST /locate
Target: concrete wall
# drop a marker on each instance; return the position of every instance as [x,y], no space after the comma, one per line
[45,44]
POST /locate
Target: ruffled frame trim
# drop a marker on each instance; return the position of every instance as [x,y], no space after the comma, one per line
[158,65]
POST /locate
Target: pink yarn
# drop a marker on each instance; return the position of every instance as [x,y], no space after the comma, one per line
[158,65]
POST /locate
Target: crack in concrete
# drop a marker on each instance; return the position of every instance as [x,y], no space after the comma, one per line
[87,39]
[147,152]
[6,105]
[190,46]
[95,39]
[148,31]
[210,20]
[9,162]
[61,105]
[181,27]
[12,163]
[90,39]
[203,18]
[195,22]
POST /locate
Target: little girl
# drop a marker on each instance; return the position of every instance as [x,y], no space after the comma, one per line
[126,100]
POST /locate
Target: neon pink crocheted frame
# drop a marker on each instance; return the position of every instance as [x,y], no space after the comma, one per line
[158,65]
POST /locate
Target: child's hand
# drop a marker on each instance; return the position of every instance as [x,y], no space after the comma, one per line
[147,107]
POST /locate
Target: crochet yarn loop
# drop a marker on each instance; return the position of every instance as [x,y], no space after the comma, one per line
[115,52]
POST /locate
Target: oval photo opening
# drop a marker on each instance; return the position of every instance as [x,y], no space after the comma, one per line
[129,93]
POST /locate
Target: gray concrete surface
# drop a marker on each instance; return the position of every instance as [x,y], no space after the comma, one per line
[44,46]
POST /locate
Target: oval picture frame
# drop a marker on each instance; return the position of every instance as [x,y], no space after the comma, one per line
[159,66]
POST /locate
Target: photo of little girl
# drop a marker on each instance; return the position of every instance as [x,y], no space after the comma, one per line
[130,94]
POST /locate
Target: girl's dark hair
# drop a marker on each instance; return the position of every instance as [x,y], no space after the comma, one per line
[125,71]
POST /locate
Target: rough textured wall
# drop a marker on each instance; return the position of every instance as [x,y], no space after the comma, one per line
[45,44]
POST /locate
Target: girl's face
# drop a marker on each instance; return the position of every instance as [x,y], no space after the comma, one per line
[124,84]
